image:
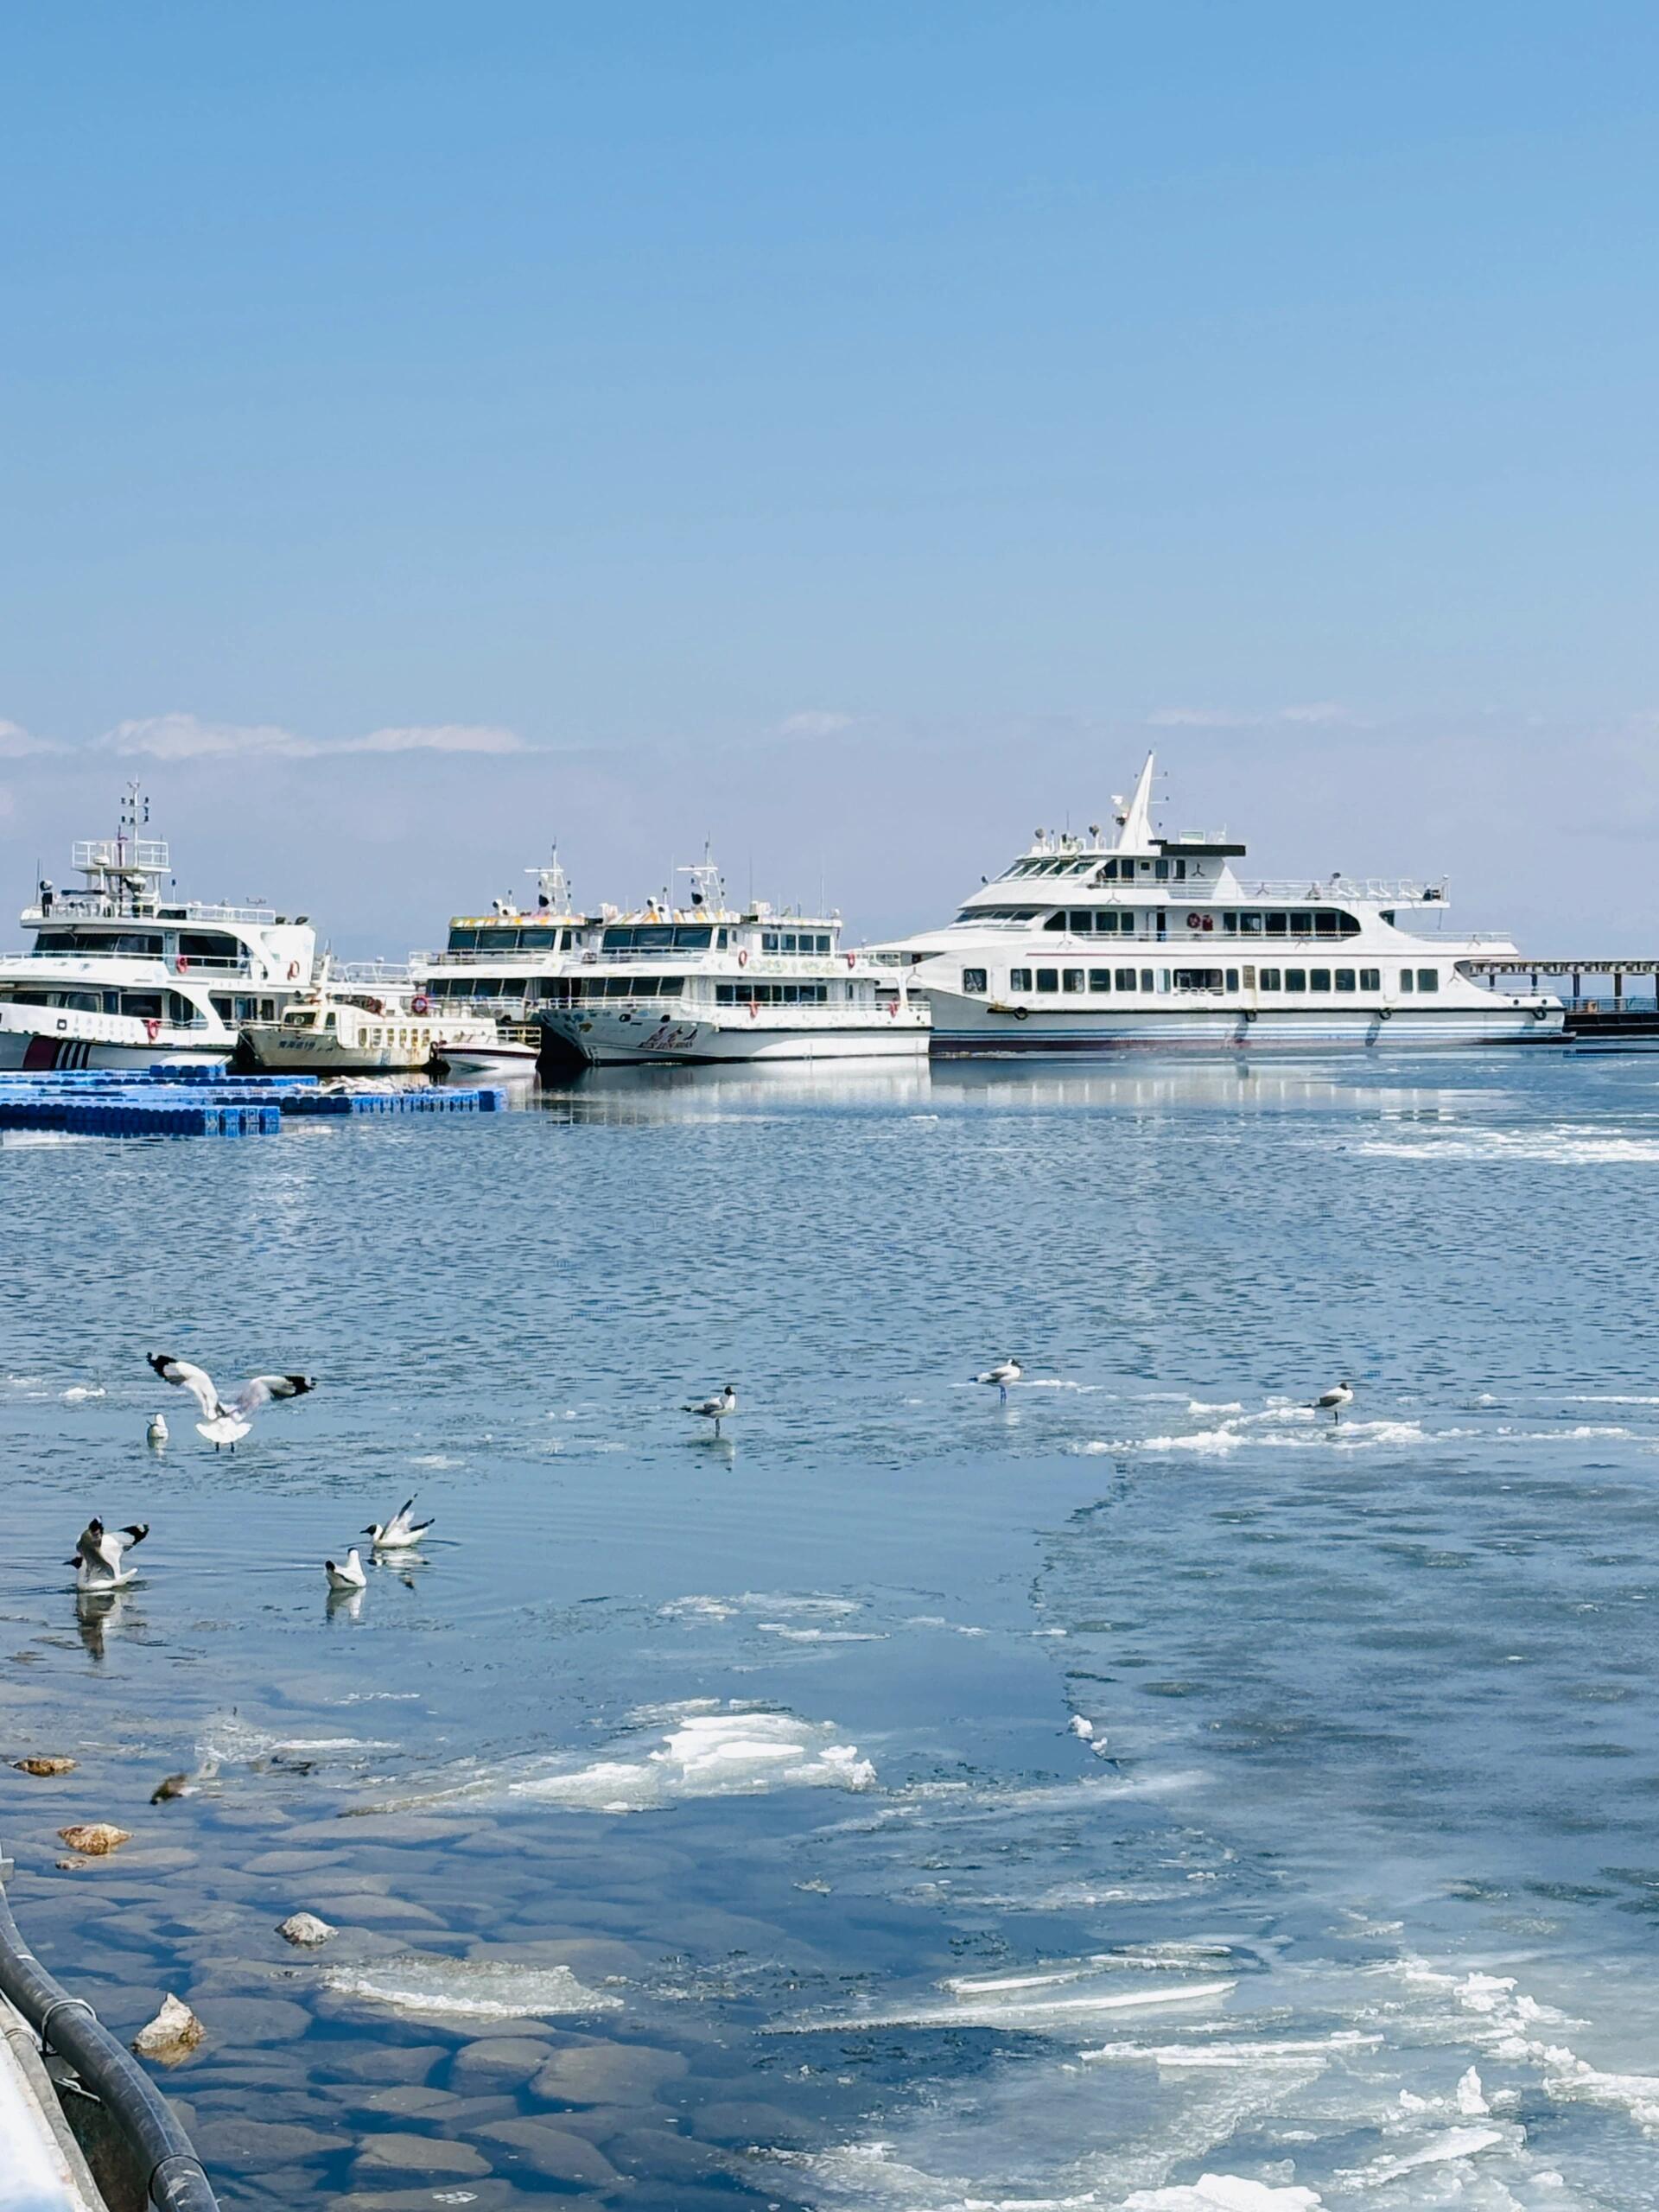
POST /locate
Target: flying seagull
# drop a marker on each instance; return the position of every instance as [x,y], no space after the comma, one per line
[100,1553]
[401,1531]
[1332,1401]
[715,1410]
[222,1423]
[348,1577]
[1006,1371]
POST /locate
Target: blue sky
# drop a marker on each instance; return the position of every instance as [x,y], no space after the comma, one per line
[857,432]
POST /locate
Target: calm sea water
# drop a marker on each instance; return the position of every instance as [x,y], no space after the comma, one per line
[1146,1795]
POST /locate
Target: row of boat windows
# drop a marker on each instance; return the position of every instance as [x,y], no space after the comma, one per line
[537,938]
[1166,870]
[143,1006]
[140,945]
[1088,921]
[771,994]
[976,981]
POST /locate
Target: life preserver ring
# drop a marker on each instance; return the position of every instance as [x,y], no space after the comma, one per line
[743,959]
[182,963]
[293,971]
[420,1003]
[849,957]
[152,1028]
[1195,921]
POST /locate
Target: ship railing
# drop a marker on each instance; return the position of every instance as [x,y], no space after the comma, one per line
[375,971]
[1304,890]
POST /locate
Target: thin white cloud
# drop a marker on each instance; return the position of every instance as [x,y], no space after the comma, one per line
[1316,713]
[186,737]
[813,721]
[16,742]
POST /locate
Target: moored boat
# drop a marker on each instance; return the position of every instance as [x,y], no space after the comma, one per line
[122,974]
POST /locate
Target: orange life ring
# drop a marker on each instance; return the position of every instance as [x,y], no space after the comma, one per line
[152,1029]
[420,1003]
[743,959]
[182,963]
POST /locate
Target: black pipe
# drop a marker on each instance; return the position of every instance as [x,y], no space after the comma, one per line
[171,2172]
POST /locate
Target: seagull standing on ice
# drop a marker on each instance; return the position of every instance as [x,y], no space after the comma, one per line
[1332,1401]
[350,1576]
[100,1553]
[221,1423]
[156,1434]
[715,1410]
[400,1532]
[1006,1371]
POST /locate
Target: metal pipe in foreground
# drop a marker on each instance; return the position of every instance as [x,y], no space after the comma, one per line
[172,2173]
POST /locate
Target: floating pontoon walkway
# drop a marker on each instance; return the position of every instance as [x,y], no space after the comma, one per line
[205,1101]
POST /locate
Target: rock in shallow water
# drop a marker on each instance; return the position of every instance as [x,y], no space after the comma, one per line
[496,2062]
[234,2141]
[533,2147]
[43,1765]
[606,2074]
[94,1839]
[172,2034]
[305,1929]
[418,2155]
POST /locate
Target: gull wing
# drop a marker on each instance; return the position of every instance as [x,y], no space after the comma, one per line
[195,1380]
[259,1390]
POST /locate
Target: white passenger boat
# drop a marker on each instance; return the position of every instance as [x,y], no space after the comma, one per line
[122,974]
[507,963]
[366,1021]
[1125,938]
[707,983]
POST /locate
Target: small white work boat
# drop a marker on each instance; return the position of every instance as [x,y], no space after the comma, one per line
[361,1024]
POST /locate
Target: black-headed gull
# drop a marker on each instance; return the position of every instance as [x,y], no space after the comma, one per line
[346,1575]
[401,1531]
[716,1409]
[100,1555]
[222,1423]
[1332,1401]
[1006,1371]
[156,1433]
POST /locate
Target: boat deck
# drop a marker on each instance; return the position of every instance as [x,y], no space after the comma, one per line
[41,2167]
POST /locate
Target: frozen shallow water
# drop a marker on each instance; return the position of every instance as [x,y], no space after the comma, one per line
[1144,1795]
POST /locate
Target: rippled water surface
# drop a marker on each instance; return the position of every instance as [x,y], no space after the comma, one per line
[1145,1795]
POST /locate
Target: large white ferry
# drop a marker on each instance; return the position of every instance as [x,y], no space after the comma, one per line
[507,963]
[1093,943]
[707,983]
[124,974]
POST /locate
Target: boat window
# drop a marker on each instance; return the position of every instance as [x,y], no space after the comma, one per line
[1198,979]
[1319,979]
[1278,925]
[207,944]
[972,980]
[1232,979]
[537,940]
[1250,924]
[1296,979]
[1125,979]
[1048,979]
[267,1009]
[225,1008]
[1370,979]
[331,1021]
[463,940]
[1100,979]
[1406,979]
[1428,979]
[1345,979]
[1268,979]
[1019,979]
[1055,922]
[147,1005]
[1071,979]
[1301,925]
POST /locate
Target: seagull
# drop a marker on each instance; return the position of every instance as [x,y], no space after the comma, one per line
[156,1433]
[714,1410]
[400,1532]
[1006,1371]
[348,1577]
[1332,1401]
[99,1552]
[222,1423]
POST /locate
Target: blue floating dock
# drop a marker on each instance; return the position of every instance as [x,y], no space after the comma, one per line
[205,1101]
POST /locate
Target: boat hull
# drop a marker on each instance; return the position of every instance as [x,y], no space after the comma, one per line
[964,1027]
[62,1042]
[622,1041]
